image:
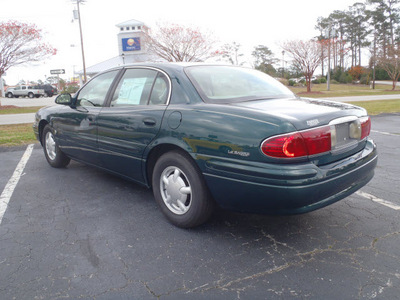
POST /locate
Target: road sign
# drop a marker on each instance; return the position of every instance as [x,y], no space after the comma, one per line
[57,71]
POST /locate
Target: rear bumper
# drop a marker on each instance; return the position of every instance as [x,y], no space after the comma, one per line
[288,189]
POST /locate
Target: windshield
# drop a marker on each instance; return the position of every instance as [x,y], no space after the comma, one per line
[224,84]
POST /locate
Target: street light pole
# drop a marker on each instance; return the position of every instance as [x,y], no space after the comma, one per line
[328,81]
[80,30]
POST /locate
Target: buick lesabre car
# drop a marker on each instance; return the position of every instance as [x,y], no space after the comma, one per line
[203,136]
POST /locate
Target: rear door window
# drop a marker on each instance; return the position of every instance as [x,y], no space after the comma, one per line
[134,87]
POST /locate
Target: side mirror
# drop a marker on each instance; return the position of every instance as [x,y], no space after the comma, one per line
[64,99]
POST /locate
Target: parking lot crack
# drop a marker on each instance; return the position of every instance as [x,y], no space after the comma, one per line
[88,251]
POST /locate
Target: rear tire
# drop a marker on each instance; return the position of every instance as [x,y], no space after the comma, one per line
[55,157]
[31,95]
[180,190]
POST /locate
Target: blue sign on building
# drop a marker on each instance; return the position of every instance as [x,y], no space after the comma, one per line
[131,44]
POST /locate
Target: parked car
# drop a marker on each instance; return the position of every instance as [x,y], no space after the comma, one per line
[49,90]
[205,135]
[24,91]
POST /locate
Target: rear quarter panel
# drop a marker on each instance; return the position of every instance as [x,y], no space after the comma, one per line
[207,130]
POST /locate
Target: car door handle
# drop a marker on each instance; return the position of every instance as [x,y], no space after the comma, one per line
[149,121]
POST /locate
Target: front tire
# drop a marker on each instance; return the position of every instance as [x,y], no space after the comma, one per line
[55,157]
[10,95]
[180,190]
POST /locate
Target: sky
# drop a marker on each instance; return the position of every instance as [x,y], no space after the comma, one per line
[249,23]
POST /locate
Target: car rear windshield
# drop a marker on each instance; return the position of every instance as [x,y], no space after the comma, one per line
[225,84]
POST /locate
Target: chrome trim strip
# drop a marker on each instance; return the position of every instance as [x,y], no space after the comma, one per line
[343,120]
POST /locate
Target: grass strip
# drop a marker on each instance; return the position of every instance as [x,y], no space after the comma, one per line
[379,107]
[5,110]
[17,134]
[343,90]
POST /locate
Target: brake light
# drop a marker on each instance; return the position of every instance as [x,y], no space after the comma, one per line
[289,145]
[365,127]
[298,144]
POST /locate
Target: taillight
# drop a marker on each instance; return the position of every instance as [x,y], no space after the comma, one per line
[318,140]
[289,145]
[299,144]
[365,127]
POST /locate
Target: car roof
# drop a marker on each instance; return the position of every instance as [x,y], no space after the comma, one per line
[167,65]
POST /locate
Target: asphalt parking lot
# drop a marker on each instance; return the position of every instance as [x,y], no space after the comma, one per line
[80,233]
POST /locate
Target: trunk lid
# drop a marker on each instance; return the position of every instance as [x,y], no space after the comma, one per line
[306,114]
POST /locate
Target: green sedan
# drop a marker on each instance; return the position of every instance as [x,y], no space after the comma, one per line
[203,136]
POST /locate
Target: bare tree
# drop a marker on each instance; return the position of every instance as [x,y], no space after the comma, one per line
[232,53]
[391,63]
[21,43]
[174,42]
[305,54]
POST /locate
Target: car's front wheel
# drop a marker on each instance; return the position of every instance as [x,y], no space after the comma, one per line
[55,157]
[180,190]
[9,95]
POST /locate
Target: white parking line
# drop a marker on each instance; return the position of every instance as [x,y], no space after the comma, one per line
[385,133]
[12,183]
[378,200]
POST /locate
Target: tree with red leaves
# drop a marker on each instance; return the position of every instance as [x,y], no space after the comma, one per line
[176,43]
[21,43]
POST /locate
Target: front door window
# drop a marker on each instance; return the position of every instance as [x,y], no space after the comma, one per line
[95,92]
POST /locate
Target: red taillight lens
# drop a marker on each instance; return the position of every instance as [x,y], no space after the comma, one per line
[318,140]
[289,145]
[298,144]
[365,127]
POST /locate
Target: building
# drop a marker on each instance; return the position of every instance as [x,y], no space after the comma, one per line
[131,48]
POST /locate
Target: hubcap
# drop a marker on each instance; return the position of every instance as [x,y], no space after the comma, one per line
[50,146]
[175,190]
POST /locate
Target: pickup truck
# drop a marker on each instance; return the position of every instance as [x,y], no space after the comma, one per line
[23,91]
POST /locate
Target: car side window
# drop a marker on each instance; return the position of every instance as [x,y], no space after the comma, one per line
[95,92]
[141,87]
[159,93]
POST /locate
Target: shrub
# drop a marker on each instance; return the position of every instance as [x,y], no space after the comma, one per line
[365,79]
[345,78]
[322,80]
[292,82]
[337,73]
[381,74]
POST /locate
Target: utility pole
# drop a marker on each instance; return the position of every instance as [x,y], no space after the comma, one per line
[80,30]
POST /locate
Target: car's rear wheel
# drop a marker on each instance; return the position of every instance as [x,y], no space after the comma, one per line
[55,157]
[31,95]
[180,190]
